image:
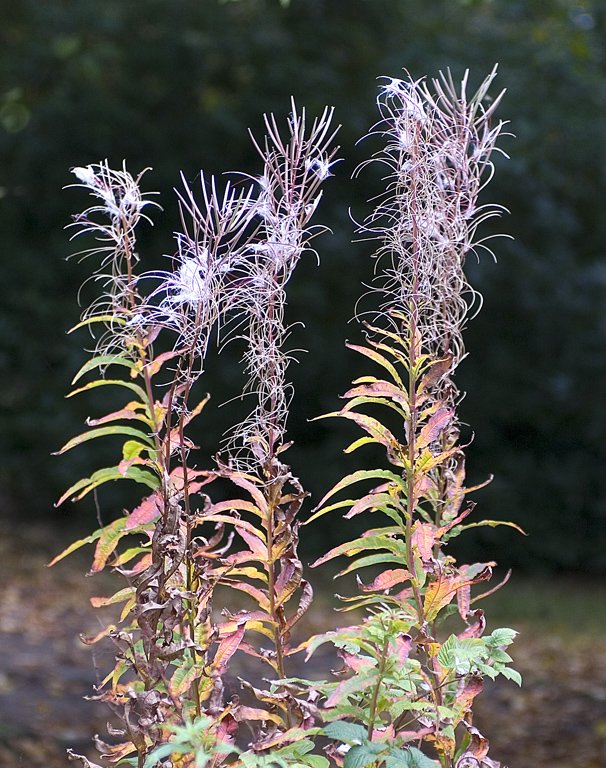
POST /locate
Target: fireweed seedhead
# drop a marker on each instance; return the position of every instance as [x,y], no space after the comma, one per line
[288,194]
[195,295]
[438,152]
[112,222]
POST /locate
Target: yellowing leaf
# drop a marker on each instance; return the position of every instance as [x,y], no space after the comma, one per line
[139,391]
[75,546]
[108,541]
[119,597]
[113,319]
[91,640]
[183,677]
[439,594]
[378,358]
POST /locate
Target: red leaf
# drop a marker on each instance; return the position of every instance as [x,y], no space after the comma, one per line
[128,412]
[380,389]
[178,474]
[403,645]
[423,539]
[432,429]
[477,628]
[386,580]
[228,645]
[357,663]
[464,601]
[148,511]
[141,565]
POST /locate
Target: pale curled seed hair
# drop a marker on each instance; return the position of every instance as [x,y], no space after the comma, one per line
[438,151]
[288,194]
[112,222]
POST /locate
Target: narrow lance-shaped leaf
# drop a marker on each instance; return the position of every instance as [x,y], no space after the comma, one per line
[80,489]
[103,361]
[111,382]
[378,358]
[93,434]
[113,319]
[362,544]
[355,477]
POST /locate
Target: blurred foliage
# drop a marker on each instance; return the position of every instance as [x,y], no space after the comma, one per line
[175,86]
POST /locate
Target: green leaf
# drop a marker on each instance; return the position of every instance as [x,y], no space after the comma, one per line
[80,489]
[93,434]
[316,761]
[75,545]
[348,733]
[109,382]
[408,758]
[362,544]
[363,755]
[132,449]
[108,541]
[101,361]
[356,477]
[501,637]
[363,562]
[512,674]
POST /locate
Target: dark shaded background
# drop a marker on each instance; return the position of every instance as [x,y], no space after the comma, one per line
[175,85]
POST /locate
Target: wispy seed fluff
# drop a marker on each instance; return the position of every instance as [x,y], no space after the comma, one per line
[288,194]
[194,297]
[439,143]
[112,222]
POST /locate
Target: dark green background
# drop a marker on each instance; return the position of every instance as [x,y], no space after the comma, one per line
[175,85]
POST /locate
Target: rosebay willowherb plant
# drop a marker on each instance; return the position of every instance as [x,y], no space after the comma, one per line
[405,694]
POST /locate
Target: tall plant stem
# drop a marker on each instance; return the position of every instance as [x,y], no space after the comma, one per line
[377,689]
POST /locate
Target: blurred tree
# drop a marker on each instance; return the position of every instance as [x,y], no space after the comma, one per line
[175,86]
